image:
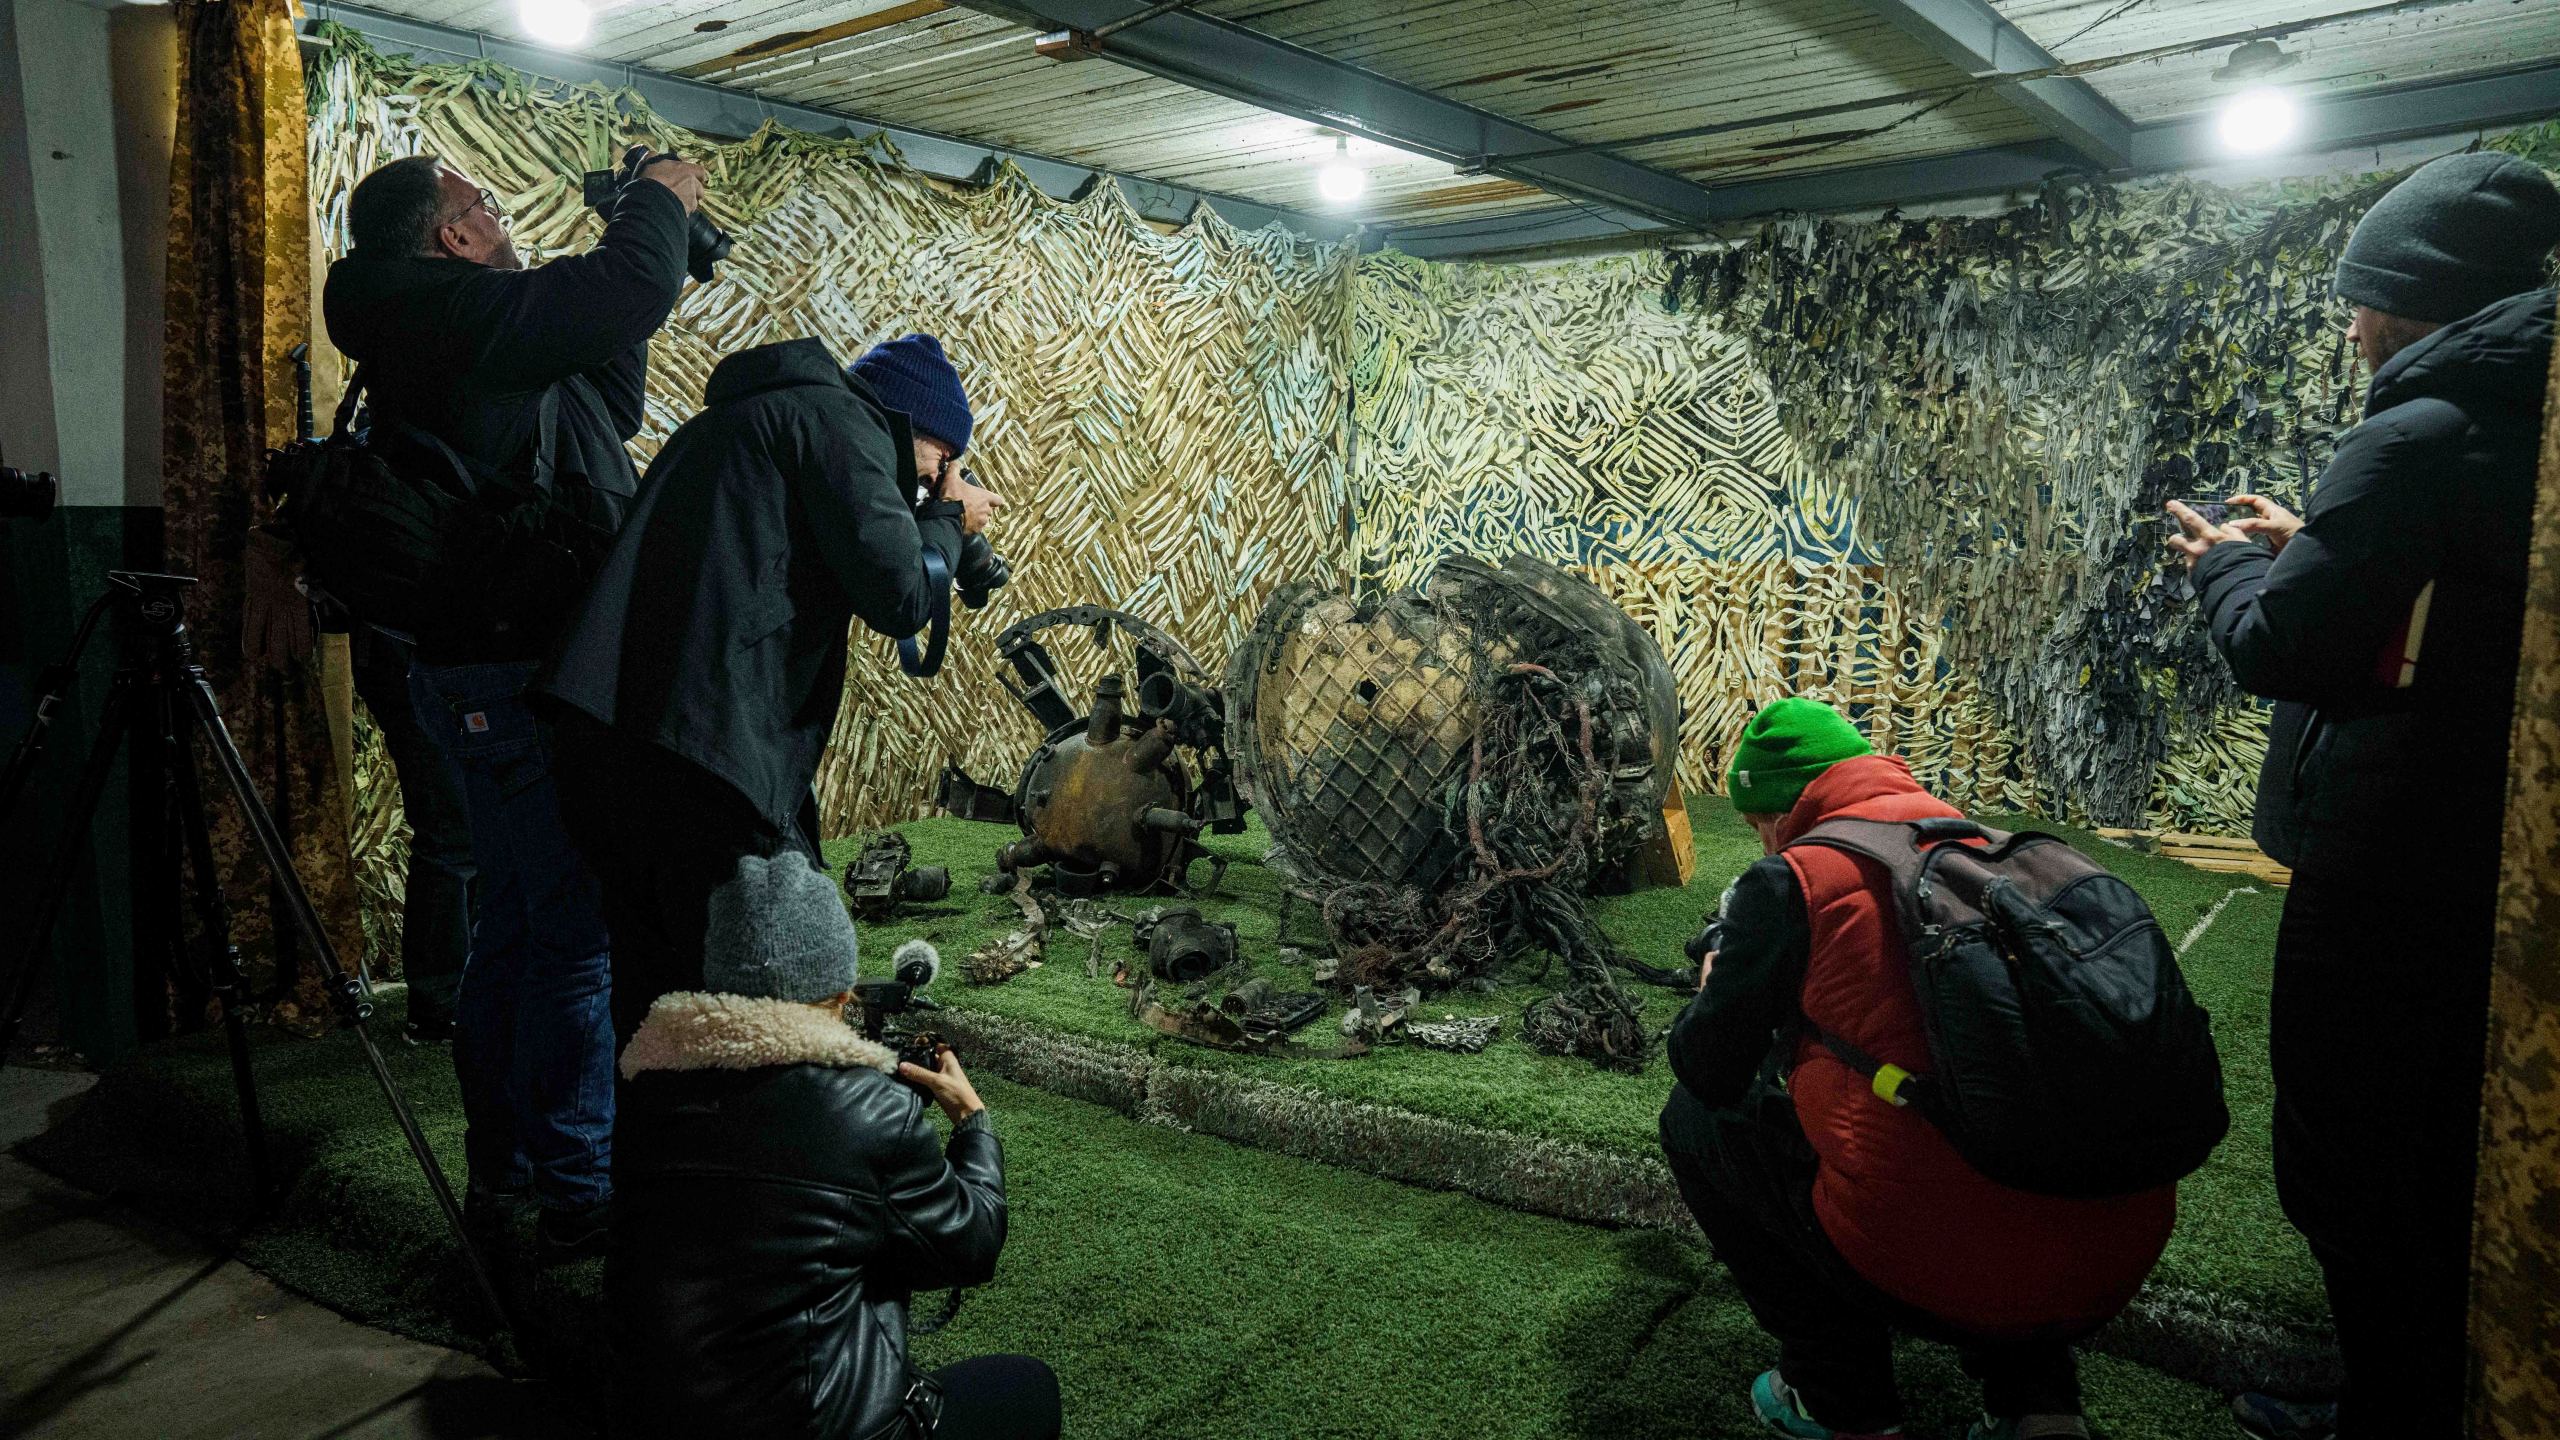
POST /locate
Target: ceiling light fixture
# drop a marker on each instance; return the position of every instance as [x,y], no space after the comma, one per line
[2257,122]
[1341,181]
[554,22]
[2254,61]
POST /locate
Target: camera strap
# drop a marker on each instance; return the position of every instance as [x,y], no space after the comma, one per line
[922,663]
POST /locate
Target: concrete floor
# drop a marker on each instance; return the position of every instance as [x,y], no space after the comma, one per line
[115,1326]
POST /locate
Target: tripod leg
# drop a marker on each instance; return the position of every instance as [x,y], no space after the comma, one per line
[66,858]
[355,999]
[222,957]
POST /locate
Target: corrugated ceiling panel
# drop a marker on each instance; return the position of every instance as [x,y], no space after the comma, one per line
[2416,46]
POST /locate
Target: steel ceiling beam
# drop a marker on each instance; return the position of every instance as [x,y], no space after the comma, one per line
[720,110]
[2448,108]
[1227,59]
[1977,39]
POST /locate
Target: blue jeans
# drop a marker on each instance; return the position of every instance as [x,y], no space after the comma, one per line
[435,920]
[533,1032]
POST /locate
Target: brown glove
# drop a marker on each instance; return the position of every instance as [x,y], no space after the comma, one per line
[276,628]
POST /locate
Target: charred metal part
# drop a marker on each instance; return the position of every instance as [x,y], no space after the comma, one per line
[1110,802]
[1020,949]
[966,799]
[1374,1017]
[1184,948]
[1599,1025]
[1448,773]
[881,881]
[1466,1036]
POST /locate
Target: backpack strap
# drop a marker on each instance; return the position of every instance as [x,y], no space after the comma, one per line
[1892,1084]
[546,445]
[339,423]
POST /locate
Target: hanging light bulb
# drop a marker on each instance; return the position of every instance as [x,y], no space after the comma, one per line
[1341,181]
[554,22]
[2255,122]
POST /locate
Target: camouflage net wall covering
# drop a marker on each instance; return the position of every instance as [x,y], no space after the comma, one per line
[1909,467]
[1166,412]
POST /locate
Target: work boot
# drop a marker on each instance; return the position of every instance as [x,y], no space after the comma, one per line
[489,1211]
[560,1236]
[2269,1418]
[2030,1427]
[1782,1410]
[427,1030]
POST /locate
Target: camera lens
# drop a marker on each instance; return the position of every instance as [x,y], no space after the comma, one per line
[27,496]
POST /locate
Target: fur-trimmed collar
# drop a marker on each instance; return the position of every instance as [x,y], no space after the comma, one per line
[692,1030]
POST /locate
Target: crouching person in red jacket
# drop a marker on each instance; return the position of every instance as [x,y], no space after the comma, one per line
[1843,1218]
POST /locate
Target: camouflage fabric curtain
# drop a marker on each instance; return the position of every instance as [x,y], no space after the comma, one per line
[2515,1289]
[239,297]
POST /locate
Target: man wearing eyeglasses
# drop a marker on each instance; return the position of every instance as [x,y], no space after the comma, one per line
[522,385]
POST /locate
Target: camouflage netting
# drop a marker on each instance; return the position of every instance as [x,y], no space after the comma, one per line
[1445,772]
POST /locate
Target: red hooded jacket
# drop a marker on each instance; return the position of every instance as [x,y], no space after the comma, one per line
[1902,1207]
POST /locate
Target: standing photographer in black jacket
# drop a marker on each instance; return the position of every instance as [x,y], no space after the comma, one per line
[2387,627]
[526,380]
[701,680]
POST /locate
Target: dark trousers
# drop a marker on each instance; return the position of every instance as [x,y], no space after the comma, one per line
[998,1397]
[2378,1025]
[435,914]
[661,834]
[1747,1175]
[532,1042]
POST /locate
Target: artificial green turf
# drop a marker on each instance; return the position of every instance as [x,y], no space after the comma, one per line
[2231,1241]
[1181,1286]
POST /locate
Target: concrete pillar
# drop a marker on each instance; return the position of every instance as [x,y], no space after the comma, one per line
[87,116]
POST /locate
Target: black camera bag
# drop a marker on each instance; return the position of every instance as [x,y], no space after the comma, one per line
[2067,1056]
[428,545]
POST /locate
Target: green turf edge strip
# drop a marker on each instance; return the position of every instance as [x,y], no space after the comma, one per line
[2182,1332]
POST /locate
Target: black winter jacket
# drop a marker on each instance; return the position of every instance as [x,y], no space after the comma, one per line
[2436,486]
[716,628]
[778,1196]
[465,352]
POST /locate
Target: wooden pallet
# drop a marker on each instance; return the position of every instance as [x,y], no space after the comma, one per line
[2225,854]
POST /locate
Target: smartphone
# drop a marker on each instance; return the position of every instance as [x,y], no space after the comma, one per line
[2219,512]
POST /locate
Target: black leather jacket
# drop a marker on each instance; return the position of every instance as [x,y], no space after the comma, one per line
[779,1196]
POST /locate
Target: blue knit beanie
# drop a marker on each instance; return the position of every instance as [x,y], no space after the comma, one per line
[911,375]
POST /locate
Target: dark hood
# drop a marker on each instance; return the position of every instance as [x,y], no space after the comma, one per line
[2499,355]
[376,306]
[782,364]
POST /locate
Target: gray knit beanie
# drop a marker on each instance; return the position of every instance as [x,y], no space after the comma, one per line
[778,928]
[2458,235]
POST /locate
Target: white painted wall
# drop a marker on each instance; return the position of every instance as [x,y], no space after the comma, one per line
[87,116]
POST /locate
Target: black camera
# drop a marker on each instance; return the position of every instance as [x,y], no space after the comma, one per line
[911,968]
[705,244]
[981,571]
[1710,936]
[30,495]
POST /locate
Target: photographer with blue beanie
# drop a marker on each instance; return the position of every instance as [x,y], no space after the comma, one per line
[699,685]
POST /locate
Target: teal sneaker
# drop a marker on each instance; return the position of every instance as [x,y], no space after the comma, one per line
[1783,1411]
[2268,1418]
[2030,1427]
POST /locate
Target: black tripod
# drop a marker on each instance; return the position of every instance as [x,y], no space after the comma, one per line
[164,700]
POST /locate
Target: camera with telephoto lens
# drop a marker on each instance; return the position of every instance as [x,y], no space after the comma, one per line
[980,569]
[30,495]
[705,244]
[911,968]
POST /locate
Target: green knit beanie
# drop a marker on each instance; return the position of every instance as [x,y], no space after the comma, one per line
[1783,749]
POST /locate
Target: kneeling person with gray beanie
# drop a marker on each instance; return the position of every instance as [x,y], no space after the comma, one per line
[781,1196]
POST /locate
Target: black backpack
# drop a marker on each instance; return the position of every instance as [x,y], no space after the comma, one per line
[2066,1055]
[430,545]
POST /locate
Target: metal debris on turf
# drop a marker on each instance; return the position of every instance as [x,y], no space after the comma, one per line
[1018,950]
[1465,1035]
